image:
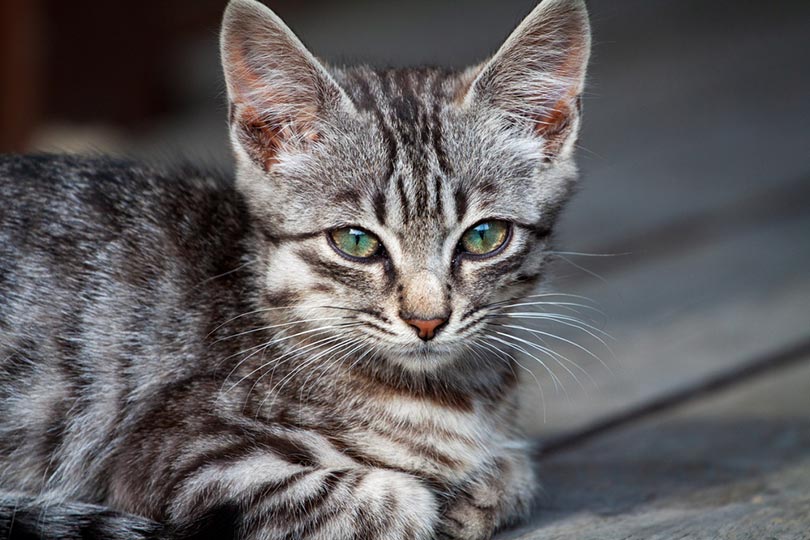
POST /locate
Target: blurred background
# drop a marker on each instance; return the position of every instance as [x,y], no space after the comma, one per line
[692,229]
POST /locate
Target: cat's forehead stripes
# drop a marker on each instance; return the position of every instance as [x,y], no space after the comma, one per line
[407,108]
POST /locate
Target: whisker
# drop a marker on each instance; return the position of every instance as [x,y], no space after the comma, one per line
[333,360]
[341,342]
[562,304]
[553,336]
[276,389]
[278,361]
[548,352]
[209,280]
[561,356]
[556,317]
[582,254]
[288,356]
[554,355]
[469,347]
[545,295]
[324,371]
[264,346]
[285,338]
[280,325]
[355,310]
[262,310]
[573,323]
[557,382]
[304,364]
[276,308]
[583,269]
[499,353]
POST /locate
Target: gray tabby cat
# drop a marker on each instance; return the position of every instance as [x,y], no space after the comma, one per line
[301,352]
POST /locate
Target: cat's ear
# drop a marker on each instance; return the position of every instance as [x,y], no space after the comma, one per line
[278,91]
[537,76]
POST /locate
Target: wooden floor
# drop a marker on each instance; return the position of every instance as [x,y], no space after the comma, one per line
[695,213]
[696,156]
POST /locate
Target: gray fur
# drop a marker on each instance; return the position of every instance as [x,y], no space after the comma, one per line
[191,350]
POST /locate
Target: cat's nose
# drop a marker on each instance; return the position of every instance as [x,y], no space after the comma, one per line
[427,328]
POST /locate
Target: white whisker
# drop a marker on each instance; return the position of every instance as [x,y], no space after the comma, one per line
[554,379]
[557,357]
[583,269]
[557,317]
[325,369]
[554,336]
[262,310]
[573,323]
[582,254]
[276,389]
[281,325]
[264,346]
[499,353]
[569,305]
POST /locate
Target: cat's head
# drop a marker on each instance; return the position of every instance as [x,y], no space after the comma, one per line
[397,206]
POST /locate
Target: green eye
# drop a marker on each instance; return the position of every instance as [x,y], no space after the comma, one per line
[355,242]
[485,237]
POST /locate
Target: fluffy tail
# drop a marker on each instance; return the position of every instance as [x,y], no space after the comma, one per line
[25,518]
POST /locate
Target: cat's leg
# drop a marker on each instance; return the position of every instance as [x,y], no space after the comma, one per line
[259,499]
[498,496]
[25,517]
[197,472]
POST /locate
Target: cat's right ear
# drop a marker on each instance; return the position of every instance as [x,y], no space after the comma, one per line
[278,91]
[538,75]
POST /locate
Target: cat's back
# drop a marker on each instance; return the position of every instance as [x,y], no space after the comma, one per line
[90,234]
[98,199]
[107,284]
[70,216]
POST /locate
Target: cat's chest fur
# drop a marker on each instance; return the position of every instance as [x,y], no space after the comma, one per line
[417,434]
[445,440]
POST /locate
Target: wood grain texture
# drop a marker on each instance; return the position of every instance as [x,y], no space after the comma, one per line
[733,466]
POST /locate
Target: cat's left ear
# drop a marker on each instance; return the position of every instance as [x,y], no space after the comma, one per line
[279,93]
[538,75]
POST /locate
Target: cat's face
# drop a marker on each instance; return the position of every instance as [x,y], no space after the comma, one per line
[400,207]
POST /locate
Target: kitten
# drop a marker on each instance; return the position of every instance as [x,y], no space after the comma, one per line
[301,352]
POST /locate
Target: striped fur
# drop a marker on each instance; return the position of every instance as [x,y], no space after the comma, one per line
[186,356]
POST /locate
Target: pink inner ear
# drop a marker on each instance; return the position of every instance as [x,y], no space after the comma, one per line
[265,117]
[264,133]
[554,126]
[260,136]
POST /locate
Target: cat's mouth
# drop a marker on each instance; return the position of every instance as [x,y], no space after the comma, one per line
[426,351]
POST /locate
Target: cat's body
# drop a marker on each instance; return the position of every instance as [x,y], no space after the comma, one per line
[116,281]
[206,354]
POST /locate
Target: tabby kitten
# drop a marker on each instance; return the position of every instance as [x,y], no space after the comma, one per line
[300,352]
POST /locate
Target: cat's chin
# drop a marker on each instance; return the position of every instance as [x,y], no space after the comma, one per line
[424,358]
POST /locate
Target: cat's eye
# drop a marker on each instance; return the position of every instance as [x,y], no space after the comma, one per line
[355,242]
[486,238]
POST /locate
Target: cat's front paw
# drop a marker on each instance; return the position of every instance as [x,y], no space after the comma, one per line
[394,506]
[466,520]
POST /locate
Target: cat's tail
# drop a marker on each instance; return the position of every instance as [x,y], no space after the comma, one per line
[24,517]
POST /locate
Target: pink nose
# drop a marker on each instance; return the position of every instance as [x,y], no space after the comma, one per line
[427,328]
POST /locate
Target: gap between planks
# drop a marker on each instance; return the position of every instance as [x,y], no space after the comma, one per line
[788,356]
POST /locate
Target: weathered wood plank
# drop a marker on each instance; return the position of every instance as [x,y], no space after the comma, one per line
[700,171]
[751,370]
[733,466]
[680,318]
